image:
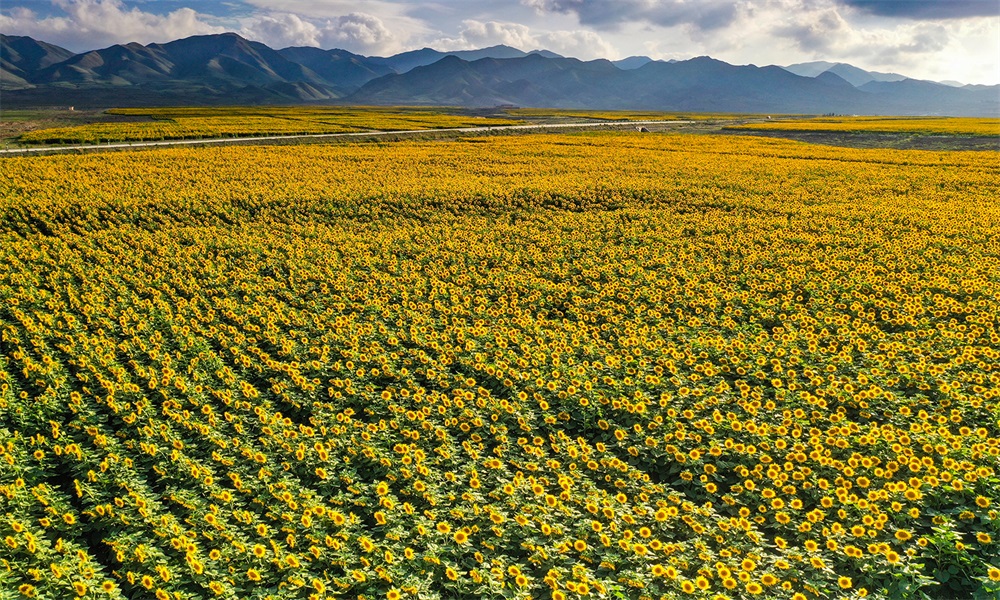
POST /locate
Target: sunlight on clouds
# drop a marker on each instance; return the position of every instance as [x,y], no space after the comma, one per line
[282,30]
[394,16]
[957,40]
[361,31]
[910,47]
[477,34]
[787,31]
[356,32]
[585,45]
[582,44]
[93,23]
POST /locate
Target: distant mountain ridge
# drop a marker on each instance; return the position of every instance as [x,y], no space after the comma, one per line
[228,69]
[407,61]
[853,75]
[20,57]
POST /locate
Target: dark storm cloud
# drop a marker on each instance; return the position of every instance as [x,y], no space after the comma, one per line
[609,14]
[927,9]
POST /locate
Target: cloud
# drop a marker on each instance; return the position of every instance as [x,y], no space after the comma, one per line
[324,9]
[576,43]
[82,25]
[611,14]
[479,34]
[585,45]
[927,9]
[943,39]
[816,32]
[365,19]
[282,30]
[90,24]
[357,32]
[828,35]
[926,39]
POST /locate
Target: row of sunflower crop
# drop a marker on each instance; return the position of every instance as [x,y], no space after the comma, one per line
[577,366]
[912,125]
[628,115]
[212,122]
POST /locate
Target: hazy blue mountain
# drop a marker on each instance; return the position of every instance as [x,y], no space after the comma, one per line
[632,62]
[809,69]
[228,69]
[340,69]
[833,79]
[532,80]
[854,75]
[117,65]
[499,51]
[345,70]
[22,56]
[407,61]
[229,57]
[913,96]
[199,67]
[699,84]
[12,81]
[27,54]
[858,77]
[719,86]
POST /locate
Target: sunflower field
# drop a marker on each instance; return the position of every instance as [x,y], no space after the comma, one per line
[965,126]
[598,365]
[184,123]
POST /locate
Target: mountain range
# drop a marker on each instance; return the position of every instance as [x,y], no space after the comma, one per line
[228,69]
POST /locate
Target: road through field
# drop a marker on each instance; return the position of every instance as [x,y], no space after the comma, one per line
[230,140]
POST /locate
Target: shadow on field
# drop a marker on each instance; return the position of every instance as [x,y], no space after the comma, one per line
[868,139]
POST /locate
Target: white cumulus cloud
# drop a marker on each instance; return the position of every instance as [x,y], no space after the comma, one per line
[91,24]
[281,30]
[582,44]
[479,34]
[826,34]
[357,32]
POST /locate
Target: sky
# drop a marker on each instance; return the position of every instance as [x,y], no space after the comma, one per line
[940,40]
